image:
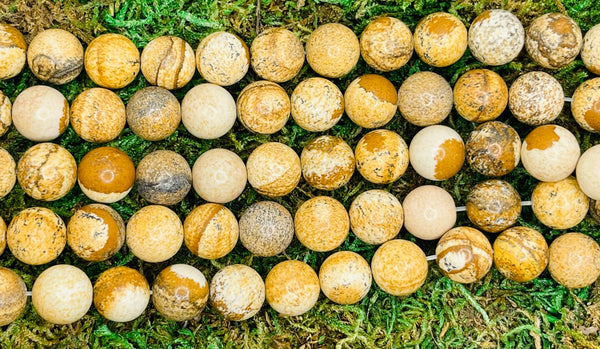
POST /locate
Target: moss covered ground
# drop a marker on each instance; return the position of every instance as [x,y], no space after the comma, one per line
[492,313]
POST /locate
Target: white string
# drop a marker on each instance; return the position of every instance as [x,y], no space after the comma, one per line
[463,208]
[568,99]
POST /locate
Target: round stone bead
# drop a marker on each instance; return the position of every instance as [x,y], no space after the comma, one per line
[237,292]
[585,106]
[153,113]
[386,44]
[266,228]
[376,216]
[317,104]
[536,98]
[327,162]
[574,260]
[169,62]
[332,50]
[13,294]
[106,174]
[40,113]
[425,98]
[561,204]
[292,288]
[276,54]
[8,172]
[13,50]
[437,152]
[553,40]
[590,51]
[219,175]
[211,231]
[180,292]
[112,61]
[440,39]
[263,107]
[464,255]
[222,58]
[493,149]
[154,234]
[273,169]
[381,156]
[429,212]
[396,280]
[208,111]
[163,177]
[6,113]
[496,37]
[480,95]
[345,277]
[98,115]
[520,254]
[321,223]
[121,294]
[370,101]
[587,171]
[493,205]
[55,56]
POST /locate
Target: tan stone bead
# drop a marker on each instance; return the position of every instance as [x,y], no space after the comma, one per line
[163,177]
[263,107]
[574,260]
[496,37]
[536,98]
[121,294]
[595,209]
[13,294]
[36,236]
[493,149]
[553,40]
[266,228]
[321,223]
[520,254]
[106,174]
[587,171]
[13,50]
[219,175]
[370,101]
[399,267]
[440,39]
[376,216]
[237,292]
[317,104]
[2,235]
[277,54]
[425,99]
[153,113]
[480,95]
[550,153]
[559,205]
[8,172]
[273,169]
[437,152]
[493,205]
[169,62]
[208,111]
[590,51]
[40,113]
[55,56]
[180,292]
[345,277]
[222,58]
[47,172]
[381,156]
[62,294]
[112,61]
[386,44]
[95,232]
[154,234]
[585,106]
[211,231]
[464,255]
[292,288]
[327,162]
[98,115]
[429,212]
[5,112]
[332,50]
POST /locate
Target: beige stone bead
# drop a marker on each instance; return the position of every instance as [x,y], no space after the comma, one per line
[121,294]
[40,113]
[536,98]
[370,101]
[5,113]
[276,54]
[590,50]
[585,106]
[595,209]
[327,162]
[520,254]
[163,177]
[266,228]
[321,223]
[219,175]
[153,113]
[55,56]
[13,296]
[208,111]
[480,95]
[425,98]
[332,50]
[553,40]
[493,205]
[587,171]
[561,204]
[154,234]
[574,260]
[399,267]
[273,169]
[2,235]
[345,277]
[211,231]
[169,62]
[237,292]
[13,49]
[496,37]
[437,152]
[386,44]
[493,149]
[381,156]
[180,292]
[429,212]
[376,216]
[106,174]
[464,255]
[98,115]
[263,107]
[112,61]
[222,58]
[440,39]
[292,288]
[8,172]
[317,104]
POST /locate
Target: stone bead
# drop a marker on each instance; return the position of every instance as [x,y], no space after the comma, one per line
[399,267]
[553,40]
[327,162]
[585,106]
[98,115]
[8,172]
[590,50]
[429,212]
[345,277]
[370,101]
[40,113]
[6,112]
[376,216]
[237,292]
[121,294]
[277,54]
[493,149]
[95,232]
[36,236]
[112,61]
[559,205]
[211,231]
[13,50]
[425,98]
[273,169]
[208,111]
[163,177]
[550,153]
[219,175]
[595,210]
[222,58]
[332,50]
[317,104]
[292,288]
[437,152]
[153,113]
[493,205]
[266,228]
[2,236]
[106,174]
[386,44]
[440,39]
[520,254]
[154,234]
[574,260]
[55,56]
[180,292]
[536,98]
[169,62]
[496,37]
[381,156]
[13,294]
[263,107]
[587,171]
[480,95]
[321,223]
[47,172]
[464,255]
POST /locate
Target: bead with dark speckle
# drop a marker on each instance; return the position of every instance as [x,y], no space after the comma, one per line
[266,228]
